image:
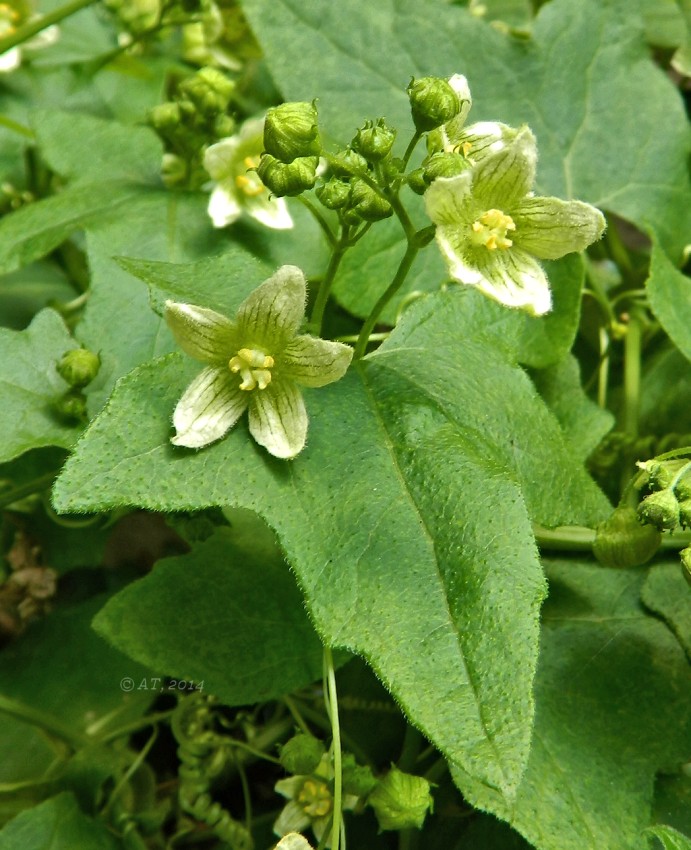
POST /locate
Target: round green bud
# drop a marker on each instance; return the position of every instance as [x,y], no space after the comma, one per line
[392,168]
[358,779]
[685,513]
[621,541]
[433,102]
[224,126]
[291,131]
[174,170]
[78,367]
[165,116]
[72,406]
[290,179]
[660,509]
[374,141]
[348,163]
[400,800]
[334,194]
[366,204]
[661,472]
[416,181]
[685,556]
[301,754]
[444,165]
[683,487]
[209,90]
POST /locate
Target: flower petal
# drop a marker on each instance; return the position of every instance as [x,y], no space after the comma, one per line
[293,841]
[272,314]
[278,419]
[449,201]
[208,409]
[291,819]
[502,180]
[202,333]
[220,159]
[550,227]
[269,211]
[224,206]
[482,139]
[315,362]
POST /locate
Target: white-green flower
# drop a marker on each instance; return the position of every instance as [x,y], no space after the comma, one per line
[293,841]
[255,363]
[238,188]
[492,231]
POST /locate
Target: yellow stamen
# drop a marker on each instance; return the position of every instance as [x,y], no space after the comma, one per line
[250,185]
[315,798]
[253,366]
[490,230]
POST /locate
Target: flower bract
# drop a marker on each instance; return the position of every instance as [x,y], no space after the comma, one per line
[256,363]
[231,163]
[492,231]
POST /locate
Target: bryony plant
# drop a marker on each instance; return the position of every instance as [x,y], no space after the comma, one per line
[255,363]
[492,230]
[231,163]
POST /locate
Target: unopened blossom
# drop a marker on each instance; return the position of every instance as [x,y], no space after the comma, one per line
[231,163]
[492,231]
[258,362]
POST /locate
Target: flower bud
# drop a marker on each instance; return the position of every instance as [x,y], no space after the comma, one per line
[416,181]
[209,90]
[288,178]
[685,556]
[683,487]
[165,117]
[334,194]
[78,367]
[72,406]
[400,800]
[224,126]
[291,131]
[358,779]
[685,513]
[661,473]
[348,163]
[433,102]
[621,541]
[374,141]
[174,170]
[366,204]
[302,754]
[660,509]
[444,165]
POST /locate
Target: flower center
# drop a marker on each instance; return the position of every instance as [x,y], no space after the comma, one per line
[250,184]
[490,230]
[315,798]
[8,19]
[253,366]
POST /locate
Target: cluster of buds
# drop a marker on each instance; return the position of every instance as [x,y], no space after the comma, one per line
[399,800]
[140,18]
[220,36]
[196,117]
[668,505]
[77,368]
[292,145]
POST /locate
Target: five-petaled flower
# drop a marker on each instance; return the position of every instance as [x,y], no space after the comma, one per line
[492,231]
[231,163]
[256,363]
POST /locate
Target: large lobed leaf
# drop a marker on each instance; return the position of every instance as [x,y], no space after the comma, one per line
[579,83]
[613,693]
[406,519]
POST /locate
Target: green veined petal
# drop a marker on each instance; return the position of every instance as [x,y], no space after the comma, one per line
[208,409]
[202,333]
[550,227]
[515,279]
[502,180]
[272,314]
[449,201]
[278,419]
[314,362]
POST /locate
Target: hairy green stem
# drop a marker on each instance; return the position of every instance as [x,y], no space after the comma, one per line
[332,706]
[319,218]
[576,538]
[632,374]
[412,144]
[33,27]
[315,322]
[51,725]
[392,289]
[36,485]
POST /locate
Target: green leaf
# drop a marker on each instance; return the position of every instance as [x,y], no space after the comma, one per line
[30,386]
[417,534]
[56,824]
[666,393]
[667,593]
[613,694]
[669,292]
[26,291]
[245,633]
[35,229]
[85,148]
[582,100]
[669,837]
[584,423]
